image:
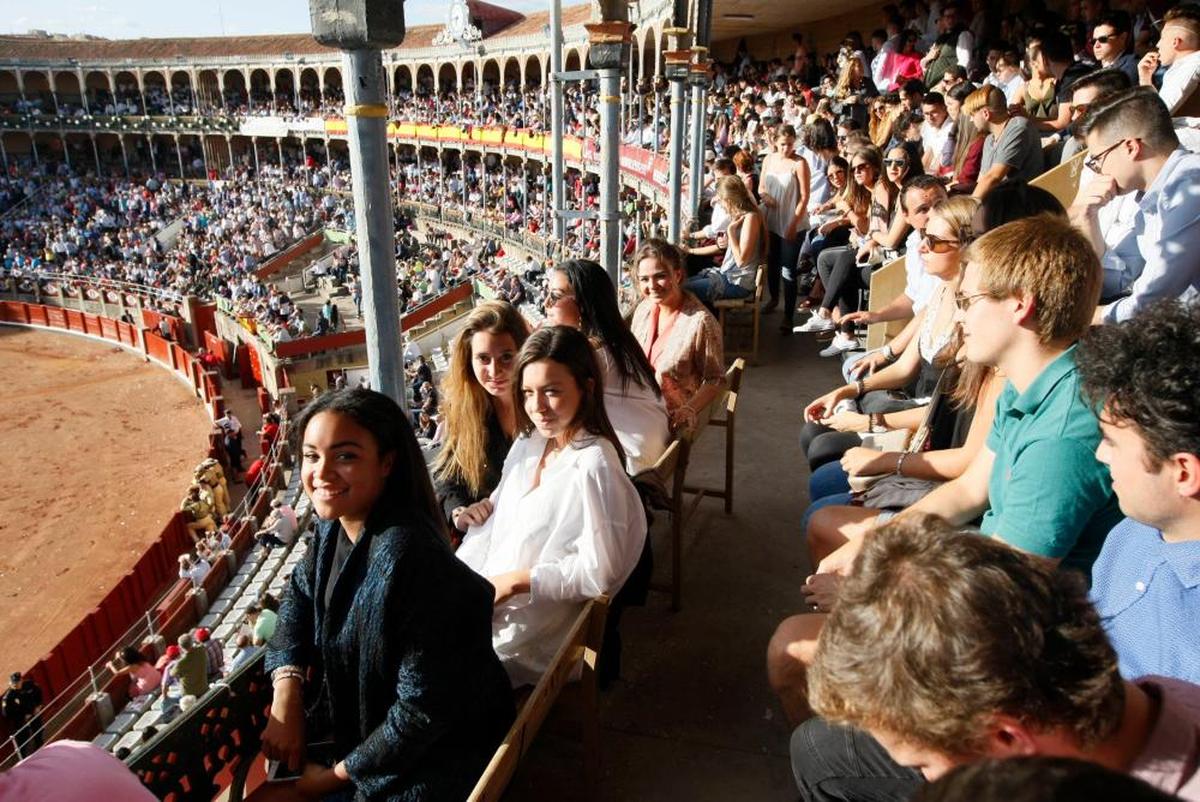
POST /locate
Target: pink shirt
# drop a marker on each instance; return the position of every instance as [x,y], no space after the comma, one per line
[1171,758]
[144,679]
[72,771]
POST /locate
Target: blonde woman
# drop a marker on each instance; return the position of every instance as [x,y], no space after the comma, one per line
[745,242]
[479,407]
[784,189]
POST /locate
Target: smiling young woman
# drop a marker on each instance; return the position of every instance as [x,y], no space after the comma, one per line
[383,640]
[479,406]
[565,523]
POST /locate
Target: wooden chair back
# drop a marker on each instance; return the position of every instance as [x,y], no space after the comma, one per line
[580,647]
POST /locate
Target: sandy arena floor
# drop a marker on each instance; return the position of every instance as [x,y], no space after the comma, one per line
[97,448]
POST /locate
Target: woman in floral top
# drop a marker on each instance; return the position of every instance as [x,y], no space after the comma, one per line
[680,336]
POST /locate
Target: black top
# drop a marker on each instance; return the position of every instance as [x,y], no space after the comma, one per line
[411,692]
[453,493]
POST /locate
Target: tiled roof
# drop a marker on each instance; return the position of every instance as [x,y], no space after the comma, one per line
[499,23]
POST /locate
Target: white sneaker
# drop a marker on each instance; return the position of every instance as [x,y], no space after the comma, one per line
[814,324]
[841,343]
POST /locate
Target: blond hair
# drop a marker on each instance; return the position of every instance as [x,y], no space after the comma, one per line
[1051,260]
[463,457]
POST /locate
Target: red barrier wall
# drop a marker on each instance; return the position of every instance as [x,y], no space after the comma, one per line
[158,566]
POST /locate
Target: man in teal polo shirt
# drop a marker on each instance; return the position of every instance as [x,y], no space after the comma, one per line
[1026,297]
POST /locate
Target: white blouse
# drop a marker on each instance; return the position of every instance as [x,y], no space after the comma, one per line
[638,416]
[580,533]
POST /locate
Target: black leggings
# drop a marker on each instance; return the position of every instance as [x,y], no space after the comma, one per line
[821,444]
[842,278]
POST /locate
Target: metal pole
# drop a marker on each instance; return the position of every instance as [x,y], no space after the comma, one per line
[366,120]
[699,93]
[675,191]
[556,117]
[610,178]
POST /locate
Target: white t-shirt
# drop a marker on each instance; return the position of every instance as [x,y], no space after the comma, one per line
[1180,80]
[918,284]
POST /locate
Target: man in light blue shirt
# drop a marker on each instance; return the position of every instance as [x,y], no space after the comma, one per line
[1134,148]
[1145,376]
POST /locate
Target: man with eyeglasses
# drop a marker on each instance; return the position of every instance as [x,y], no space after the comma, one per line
[1090,92]
[936,131]
[1026,297]
[1134,148]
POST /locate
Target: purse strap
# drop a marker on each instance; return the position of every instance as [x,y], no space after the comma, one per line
[920,437]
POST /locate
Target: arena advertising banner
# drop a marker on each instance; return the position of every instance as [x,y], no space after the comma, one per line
[637,163]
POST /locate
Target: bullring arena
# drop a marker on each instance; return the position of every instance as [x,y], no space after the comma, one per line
[97,445]
[202,236]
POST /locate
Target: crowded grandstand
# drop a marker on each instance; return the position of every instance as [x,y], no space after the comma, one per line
[939,259]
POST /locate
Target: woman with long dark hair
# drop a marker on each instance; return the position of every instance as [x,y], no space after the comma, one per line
[565,523]
[478,402]
[581,295]
[383,643]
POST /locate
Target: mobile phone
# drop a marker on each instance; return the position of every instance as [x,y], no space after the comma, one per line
[317,752]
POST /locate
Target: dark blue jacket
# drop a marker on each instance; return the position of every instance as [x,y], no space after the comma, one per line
[416,697]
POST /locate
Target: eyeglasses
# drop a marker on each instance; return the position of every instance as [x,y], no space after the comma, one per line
[939,245]
[553,297]
[963,302]
[1080,109]
[1095,163]
[895,162]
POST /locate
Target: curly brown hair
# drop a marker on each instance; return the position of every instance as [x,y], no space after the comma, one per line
[936,631]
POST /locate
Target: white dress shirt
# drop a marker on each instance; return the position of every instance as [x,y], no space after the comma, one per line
[580,533]
[1180,80]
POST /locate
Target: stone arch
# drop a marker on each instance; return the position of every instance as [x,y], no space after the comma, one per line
[512,72]
[447,78]
[208,90]
[470,79]
[154,89]
[66,86]
[572,62]
[331,85]
[233,90]
[491,73]
[98,89]
[533,71]
[126,88]
[310,87]
[260,88]
[424,84]
[182,96]
[403,79]
[37,89]
[285,89]
[10,90]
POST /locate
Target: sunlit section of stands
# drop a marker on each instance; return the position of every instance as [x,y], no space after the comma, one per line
[257,574]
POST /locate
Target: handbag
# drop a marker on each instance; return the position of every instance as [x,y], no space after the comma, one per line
[899,440]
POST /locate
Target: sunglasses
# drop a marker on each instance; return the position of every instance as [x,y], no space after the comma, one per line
[858,167]
[939,245]
[963,302]
[555,296]
[1103,40]
[895,162]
